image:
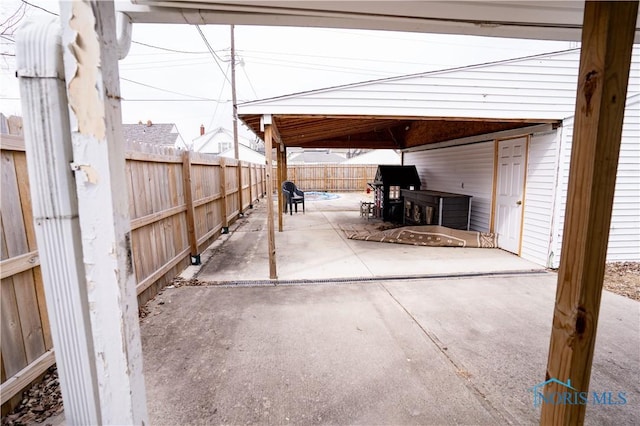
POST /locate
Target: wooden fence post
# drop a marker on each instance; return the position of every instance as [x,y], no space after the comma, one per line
[188,199]
[605,58]
[251,166]
[223,192]
[240,206]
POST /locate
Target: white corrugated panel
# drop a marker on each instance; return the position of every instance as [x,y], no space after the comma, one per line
[466,169]
[624,236]
[540,87]
[542,166]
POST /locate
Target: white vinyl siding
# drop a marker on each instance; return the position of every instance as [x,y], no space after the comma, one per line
[540,87]
[624,234]
[540,187]
[466,169]
[548,83]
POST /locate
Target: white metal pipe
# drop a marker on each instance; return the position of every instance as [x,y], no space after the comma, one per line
[55,213]
[124,29]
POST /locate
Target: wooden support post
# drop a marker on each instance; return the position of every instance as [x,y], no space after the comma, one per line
[280,174]
[270,227]
[607,38]
[188,199]
[285,170]
[92,80]
[223,193]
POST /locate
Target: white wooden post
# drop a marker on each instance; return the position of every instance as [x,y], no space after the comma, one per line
[55,213]
[91,55]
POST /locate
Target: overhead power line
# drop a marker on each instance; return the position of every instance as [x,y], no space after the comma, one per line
[175,100]
[165,90]
[39,7]
[215,111]
[167,49]
[253,89]
[216,58]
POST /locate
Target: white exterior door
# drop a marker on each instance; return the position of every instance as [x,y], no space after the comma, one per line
[510,192]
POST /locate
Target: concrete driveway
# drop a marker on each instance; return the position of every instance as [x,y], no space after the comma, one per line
[429,351]
[398,344]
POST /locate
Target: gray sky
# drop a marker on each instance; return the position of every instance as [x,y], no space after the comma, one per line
[271,61]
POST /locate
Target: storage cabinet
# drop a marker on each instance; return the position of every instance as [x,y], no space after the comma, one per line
[436,208]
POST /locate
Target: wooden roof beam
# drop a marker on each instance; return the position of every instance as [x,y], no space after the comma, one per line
[339,143]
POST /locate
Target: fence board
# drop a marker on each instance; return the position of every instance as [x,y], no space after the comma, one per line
[13,353]
[42,308]
[11,212]
[32,338]
[25,376]
[17,264]
[329,177]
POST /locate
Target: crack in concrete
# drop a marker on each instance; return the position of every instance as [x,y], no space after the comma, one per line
[460,370]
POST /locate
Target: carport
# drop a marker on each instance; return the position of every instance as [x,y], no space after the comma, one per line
[606,29]
[313,127]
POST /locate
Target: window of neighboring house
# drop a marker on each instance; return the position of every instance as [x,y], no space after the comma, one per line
[225,146]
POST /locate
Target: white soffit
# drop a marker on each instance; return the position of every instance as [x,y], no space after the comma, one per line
[545,20]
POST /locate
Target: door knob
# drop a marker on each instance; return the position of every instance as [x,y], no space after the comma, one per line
[518,203]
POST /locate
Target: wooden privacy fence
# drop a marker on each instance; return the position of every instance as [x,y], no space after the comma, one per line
[179,202]
[329,177]
[26,348]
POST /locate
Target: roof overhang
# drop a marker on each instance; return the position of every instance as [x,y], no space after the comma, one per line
[379,132]
[551,20]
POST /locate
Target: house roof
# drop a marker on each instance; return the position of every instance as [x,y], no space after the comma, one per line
[411,110]
[152,133]
[210,140]
[315,157]
[246,154]
[376,156]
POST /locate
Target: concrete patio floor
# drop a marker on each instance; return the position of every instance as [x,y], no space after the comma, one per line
[429,350]
[312,246]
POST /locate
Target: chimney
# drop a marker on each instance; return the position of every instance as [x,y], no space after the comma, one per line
[201,129]
[149,123]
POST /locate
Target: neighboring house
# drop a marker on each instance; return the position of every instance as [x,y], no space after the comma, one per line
[376,156]
[246,154]
[161,134]
[214,141]
[517,176]
[322,156]
[217,141]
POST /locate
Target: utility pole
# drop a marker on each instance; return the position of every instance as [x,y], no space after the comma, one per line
[236,146]
[234,101]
